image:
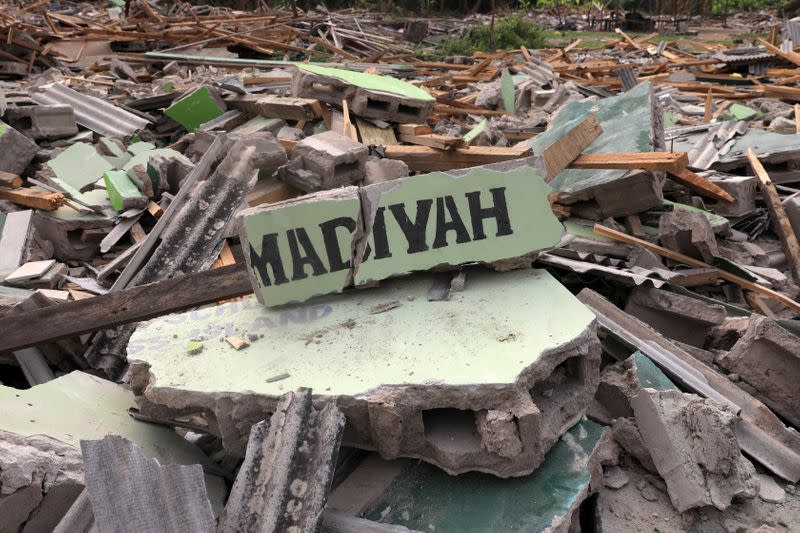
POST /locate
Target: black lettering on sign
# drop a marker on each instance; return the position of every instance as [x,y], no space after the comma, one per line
[414,232]
[309,257]
[443,225]
[499,212]
[270,255]
[331,240]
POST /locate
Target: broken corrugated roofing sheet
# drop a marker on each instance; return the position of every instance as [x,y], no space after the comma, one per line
[98,115]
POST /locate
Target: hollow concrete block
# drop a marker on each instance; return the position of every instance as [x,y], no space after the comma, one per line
[43,121]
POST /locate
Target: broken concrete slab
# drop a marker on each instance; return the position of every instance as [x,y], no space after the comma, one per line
[329,160]
[40,430]
[483,214]
[402,399]
[743,188]
[131,492]
[424,498]
[274,110]
[689,233]
[122,192]
[769,490]
[15,231]
[380,170]
[79,166]
[43,121]
[679,317]
[16,150]
[692,441]
[367,95]
[288,468]
[196,107]
[768,358]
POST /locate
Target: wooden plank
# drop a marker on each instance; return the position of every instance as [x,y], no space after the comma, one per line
[348,129]
[568,147]
[122,307]
[427,159]
[423,135]
[797,118]
[36,198]
[652,161]
[628,39]
[701,185]
[685,259]
[708,111]
[372,135]
[781,222]
[791,57]
[12,181]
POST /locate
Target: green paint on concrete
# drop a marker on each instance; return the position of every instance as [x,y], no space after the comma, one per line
[141,147]
[95,197]
[3,128]
[580,227]
[337,346]
[308,216]
[628,126]
[508,91]
[79,165]
[143,158]
[649,375]
[425,498]
[372,82]
[532,223]
[474,132]
[194,347]
[669,120]
[741,112]
[119,188]
[195,108]
[80,406]
[119,156]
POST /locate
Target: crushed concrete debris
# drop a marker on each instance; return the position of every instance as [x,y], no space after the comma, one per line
[213,206]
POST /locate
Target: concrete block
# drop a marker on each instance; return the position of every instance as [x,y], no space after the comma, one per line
[682,318]
[196,107]
[689,233]
[743,188]
[792,207]
[422,397]
[122,192]
[335,159]
[692,441]
[43,121]
[15,232]
[16,150]
[380,170]
[367,95]
[768,358]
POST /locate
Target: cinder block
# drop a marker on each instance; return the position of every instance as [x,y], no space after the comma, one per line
[768,358]
[676,316]
[196,107]
[335,159]
[367,95]
[689,233]
[743,188]
[16,150]
[43,121]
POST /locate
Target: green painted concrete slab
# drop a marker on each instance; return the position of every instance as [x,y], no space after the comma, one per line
[79,165]
[339,345]
[119,188]
[777,147]
[508,91]
[627,123]
[649,375]
[474,132]
[455,233]
[143,157]
[741,112]
[290,236]
[386,84]
[425,498]
[140,147]
[119,157]
[195,108]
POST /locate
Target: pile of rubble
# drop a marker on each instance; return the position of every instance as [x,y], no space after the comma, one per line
[537,290]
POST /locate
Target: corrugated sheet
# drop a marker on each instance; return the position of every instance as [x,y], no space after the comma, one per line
[717,142]
[538,71]
[740,56]
[628,78]
[98,115]
[130,492]
[791,31]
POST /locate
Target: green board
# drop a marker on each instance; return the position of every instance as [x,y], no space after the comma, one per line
[425,498]
[119,188]
[79,165]
[628,126]
[194,109]
[508,91]
[649,375]
[372,82]
[339,345]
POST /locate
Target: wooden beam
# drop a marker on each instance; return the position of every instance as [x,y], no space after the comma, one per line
[122,307]
[708,111]
[427,159]
[685,259]
[12,181]
[35,198]
[652,161]
[569,146]
[791,57]
[781,222]
[423,135]
[701,185]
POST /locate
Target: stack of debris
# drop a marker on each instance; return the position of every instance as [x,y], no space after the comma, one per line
[525,290]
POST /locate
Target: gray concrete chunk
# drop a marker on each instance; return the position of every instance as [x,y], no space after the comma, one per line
[43,121]
[337,161]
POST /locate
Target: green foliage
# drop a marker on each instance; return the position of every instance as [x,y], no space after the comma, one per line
[509,33]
